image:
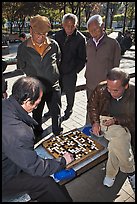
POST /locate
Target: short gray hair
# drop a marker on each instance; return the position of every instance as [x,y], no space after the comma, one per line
[70,16]
[118,74]
[97,18]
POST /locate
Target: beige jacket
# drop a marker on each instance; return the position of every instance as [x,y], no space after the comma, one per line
[100,59]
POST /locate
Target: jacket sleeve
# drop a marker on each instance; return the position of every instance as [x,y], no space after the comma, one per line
[22,153]
[93,106]
[128,119]
[58,54]
[20,59]
[117,54]
[81,55]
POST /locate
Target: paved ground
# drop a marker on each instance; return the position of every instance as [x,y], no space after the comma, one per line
[88,187]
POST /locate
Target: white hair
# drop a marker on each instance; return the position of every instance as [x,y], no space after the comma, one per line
[97,18]
[70,16]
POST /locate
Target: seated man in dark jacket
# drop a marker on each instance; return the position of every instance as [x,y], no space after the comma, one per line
[22,169]
[112,110]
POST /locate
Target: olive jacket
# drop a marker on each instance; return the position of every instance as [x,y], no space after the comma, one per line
[43,67]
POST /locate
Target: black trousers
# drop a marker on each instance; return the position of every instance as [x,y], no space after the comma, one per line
[42,189]
[53,100]
[68,86]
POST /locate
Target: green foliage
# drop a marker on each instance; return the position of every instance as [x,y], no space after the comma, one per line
[118,17]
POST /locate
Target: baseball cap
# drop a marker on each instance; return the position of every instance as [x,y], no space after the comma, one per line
[40,24]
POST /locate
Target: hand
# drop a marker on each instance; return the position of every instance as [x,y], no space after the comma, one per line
[96,128]
[4,95]
[108,122]
[68,157]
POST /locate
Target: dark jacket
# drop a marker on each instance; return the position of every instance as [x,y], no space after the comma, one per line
[4,85]
[18,152]
[73,51]
[32,64]
[100,103]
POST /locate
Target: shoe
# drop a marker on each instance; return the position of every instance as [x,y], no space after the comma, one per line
[66,116]
[59,132]
[47,114]
[132,181]
[108,181]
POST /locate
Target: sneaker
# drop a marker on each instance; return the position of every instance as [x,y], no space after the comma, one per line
[56,133]
[132,181]
[108,181]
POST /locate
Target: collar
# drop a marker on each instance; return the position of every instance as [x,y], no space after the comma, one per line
[29,43]
[36,44]
[119,98]
[97,42]
[74,33]
[21,113]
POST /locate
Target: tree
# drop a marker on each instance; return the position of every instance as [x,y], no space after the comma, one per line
[131,12]
[106,15]
[18,11]
[125,16]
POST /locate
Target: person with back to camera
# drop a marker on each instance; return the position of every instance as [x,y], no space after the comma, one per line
[111,109]
[126,42]
[39,56]
[73,49]
[103,53]
[22,169]
[22,37]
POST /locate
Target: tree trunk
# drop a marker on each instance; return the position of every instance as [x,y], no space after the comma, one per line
[79,15]
[106,17]
[125,16]
[64,7]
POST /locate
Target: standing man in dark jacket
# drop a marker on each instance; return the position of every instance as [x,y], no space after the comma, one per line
[112,110]
[22,169]
[39,56]
[73,49]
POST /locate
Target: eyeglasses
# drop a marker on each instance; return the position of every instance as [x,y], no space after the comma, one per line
[38,34]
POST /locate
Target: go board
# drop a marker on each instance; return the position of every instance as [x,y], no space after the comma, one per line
[75,142]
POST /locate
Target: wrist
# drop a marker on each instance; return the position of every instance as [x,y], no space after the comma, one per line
[114,119]
[96,124]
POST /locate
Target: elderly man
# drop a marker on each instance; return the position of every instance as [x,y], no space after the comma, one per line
[111,108]
[103,53]
[39,56]
[22,169]
[73,49]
